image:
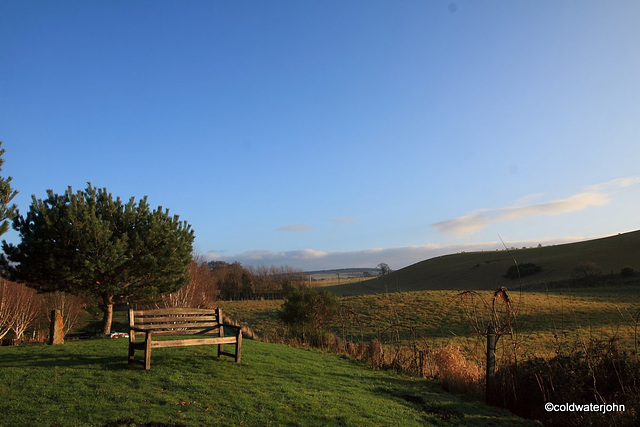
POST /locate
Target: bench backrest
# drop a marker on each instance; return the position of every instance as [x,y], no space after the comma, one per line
[177,320]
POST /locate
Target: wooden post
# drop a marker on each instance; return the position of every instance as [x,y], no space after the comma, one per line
[491,365]
[56,330]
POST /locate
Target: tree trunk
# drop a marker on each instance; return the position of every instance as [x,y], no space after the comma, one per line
[108,314]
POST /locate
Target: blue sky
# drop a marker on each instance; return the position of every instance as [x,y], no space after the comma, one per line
[327,134]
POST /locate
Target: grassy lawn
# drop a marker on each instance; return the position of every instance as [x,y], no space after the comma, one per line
[89,383]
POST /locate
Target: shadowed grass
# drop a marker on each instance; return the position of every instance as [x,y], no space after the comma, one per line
[88,383]
[485,270]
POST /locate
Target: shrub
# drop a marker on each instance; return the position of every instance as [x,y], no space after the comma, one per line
[522,270]
[598,372]
[627,272]
[19,308]
[306,310]
[587,269]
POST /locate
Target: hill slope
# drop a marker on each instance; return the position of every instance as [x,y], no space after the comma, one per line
[485,270]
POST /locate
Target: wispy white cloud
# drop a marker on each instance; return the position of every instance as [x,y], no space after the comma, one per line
[615,184]
[594,195]
[475,221]
[342,220]
[296,228]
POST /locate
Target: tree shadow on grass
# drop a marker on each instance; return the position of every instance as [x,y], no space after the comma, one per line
[49,360]
[94,357]
[436,405]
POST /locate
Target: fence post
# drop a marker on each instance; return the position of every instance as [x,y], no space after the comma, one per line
[491,365]
[56,331]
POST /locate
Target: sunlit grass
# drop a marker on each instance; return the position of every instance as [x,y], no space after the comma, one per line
[89,383]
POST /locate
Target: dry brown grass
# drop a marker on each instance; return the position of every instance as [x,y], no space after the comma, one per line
[456,373]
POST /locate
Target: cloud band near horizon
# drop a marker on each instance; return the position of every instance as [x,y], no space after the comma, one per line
[396,258]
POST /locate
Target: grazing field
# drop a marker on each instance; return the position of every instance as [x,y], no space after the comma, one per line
[544,320]
[89,383]
[335,281]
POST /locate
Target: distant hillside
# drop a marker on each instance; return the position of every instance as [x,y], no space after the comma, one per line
[485,270]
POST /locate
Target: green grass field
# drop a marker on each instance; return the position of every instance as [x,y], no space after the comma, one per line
[89,383]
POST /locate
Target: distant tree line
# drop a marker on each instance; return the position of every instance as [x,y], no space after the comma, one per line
[236,282]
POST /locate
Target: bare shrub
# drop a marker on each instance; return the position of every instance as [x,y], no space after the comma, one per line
[19,308]
[70,307]
[200,292]
[27,309]
[7,308]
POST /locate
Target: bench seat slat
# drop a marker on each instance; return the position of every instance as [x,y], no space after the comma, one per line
[173,311]
[189,342]
[181,325]
[177,318]
[190,331]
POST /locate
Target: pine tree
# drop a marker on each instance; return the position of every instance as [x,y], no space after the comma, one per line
[89,244]
[7,194]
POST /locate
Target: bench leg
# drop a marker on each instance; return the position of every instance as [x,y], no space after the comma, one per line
[220,346]
[131,353]
[147,351]
[239,347]
[132,339]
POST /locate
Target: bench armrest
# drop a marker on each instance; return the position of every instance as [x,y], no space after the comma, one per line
[228,325]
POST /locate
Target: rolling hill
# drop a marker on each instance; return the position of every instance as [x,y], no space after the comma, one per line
[486,270]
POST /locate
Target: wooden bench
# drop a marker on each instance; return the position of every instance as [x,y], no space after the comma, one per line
[180,321]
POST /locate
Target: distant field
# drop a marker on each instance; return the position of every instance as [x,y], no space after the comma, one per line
[343,273]
[335,281]
[545,320]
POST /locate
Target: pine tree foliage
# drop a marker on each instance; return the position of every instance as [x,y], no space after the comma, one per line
[89,243]
[7,194]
